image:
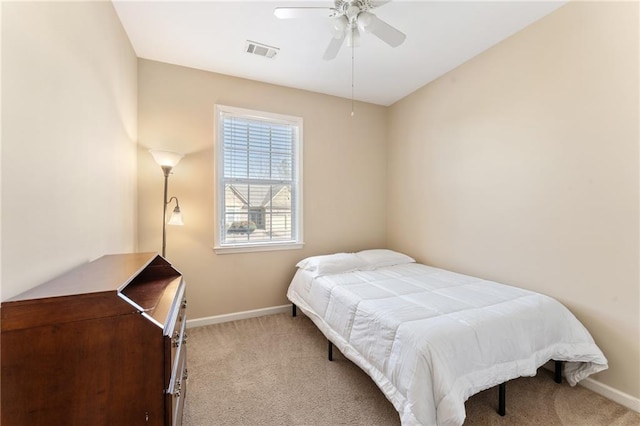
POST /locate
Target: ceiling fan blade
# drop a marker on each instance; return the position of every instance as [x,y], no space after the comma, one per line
[386,32]
[334,47]
[302,12]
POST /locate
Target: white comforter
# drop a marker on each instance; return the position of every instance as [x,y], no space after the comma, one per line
[430,338]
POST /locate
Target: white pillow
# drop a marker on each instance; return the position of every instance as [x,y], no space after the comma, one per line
[378,258]
[332,264]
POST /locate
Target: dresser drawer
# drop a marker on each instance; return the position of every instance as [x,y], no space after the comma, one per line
[178,352]
[178,333]
[179,389]
[177,383]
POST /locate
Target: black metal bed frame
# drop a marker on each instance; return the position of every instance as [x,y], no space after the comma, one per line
[502,387]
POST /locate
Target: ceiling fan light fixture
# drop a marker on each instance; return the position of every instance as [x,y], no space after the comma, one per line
[365,21]
[352,12]
[353,37]
[338,26]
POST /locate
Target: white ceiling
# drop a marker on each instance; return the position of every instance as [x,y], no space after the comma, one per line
[211,35]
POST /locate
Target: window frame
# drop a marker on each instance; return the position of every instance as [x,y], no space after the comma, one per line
[219,183]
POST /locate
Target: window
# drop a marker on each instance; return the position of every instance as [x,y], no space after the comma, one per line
[258,184]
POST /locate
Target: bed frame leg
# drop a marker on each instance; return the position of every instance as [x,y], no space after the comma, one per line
[294,310]
[557,375]
[502,391]
[330,350]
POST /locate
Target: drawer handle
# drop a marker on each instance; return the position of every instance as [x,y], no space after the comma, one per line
[177,392]
[184,338]
[183,308]
[176,339]
[185,375]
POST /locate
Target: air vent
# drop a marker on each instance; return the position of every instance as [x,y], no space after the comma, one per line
[261,49]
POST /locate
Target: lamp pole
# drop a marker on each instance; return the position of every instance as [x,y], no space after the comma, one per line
[166,170]
[167,160]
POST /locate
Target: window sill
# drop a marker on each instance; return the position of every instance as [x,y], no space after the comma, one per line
[247,248]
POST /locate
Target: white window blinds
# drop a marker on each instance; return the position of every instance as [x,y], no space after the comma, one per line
[258,169]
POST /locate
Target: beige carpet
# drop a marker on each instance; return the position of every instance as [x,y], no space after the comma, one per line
[274,370]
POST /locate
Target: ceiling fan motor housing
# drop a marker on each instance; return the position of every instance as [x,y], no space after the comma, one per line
[342,6]
[351,9]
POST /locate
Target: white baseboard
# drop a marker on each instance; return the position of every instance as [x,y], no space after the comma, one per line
[615,395]
[631,402]
[217,319]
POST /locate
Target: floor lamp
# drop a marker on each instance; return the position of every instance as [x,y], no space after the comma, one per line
[167,161]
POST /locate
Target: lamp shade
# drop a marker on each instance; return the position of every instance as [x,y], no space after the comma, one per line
[166,158]
[176,217]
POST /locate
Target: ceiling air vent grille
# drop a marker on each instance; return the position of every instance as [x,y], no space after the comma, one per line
[261,49]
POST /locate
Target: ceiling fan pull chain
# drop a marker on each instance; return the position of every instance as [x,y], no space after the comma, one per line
[352,77]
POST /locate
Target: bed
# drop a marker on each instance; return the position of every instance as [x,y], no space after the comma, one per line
[431,338]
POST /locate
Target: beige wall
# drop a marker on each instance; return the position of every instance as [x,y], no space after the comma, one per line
[521,166]
[68,139]
[344,181]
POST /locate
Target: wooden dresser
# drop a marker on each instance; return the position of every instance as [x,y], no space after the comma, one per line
[101,345]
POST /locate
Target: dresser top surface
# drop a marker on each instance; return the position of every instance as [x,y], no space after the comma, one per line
[109,273]
[113,285]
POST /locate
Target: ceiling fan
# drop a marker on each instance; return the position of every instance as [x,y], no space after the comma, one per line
[348,19]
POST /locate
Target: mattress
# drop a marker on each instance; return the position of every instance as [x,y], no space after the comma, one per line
[431,338]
